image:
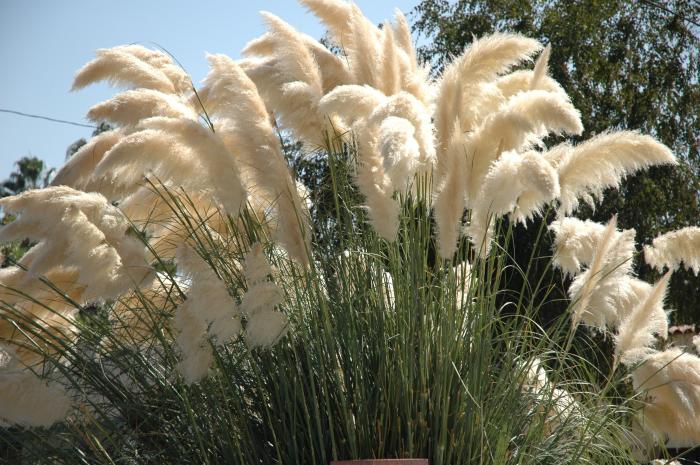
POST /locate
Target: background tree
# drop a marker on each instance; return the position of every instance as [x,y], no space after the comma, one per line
[31,173]
[633,65]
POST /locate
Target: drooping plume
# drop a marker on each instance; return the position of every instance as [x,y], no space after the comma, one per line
[78,170]
[27,400]
[134,66]
[208,296]
[575,241]
[265,324]
[509,177]
[670,381]
[674,248]
[80,230]
[592,292]
[178,150]
[637,332]
[132,106]
[247,129]
[587,169]
[522,122]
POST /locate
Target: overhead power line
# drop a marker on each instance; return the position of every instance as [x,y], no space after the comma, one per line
[47,118]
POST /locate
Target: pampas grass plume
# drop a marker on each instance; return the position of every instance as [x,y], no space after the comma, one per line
[603,161]
[674,248]
[637,331]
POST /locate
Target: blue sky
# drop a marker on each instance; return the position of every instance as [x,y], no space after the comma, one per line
[45,41]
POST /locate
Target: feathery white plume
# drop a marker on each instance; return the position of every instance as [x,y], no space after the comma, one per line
[130,107]
[335,15]
[636,333]
[389,76]
[351,102]
[671,382]
[509,177]
[402,32]
[208,298]
[450,200]
[133,66]
[482,61]
[673,248]
[541,67]
[400,151]
[247,128]
[197,355]
[265,328]
[83,230]
[363,49]
[265,325]
[575,241]
[601,162]
[374,184]
[77,171]
[523,120]
[178,150]
[591,291]
[26,400]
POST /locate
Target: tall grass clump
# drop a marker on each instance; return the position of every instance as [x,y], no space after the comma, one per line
[188,301]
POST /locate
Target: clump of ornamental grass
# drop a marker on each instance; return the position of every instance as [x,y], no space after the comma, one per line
[187,302]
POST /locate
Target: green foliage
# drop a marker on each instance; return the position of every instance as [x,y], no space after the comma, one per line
[631,65]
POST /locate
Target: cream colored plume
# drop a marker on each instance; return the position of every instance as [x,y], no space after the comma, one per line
[450,202]
[399,150]
[509,177]
[592,292]
[265,325]
[402,33]
[79,230]
[394,140]
[335,15]
[291,81]
[670,381]
[575,241]
[79,168]
[246,128]
[674,248]
[177,150]
[524,119]
[557,405]
[131,320]
[208,298]
[134,66]
[389,74]
[49,309]
[130,107]
[541,68]
[373,183]
[27,400]
[351,103]
[197,355]
[363,49]
[638,331]
[482,61]
[601,162]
